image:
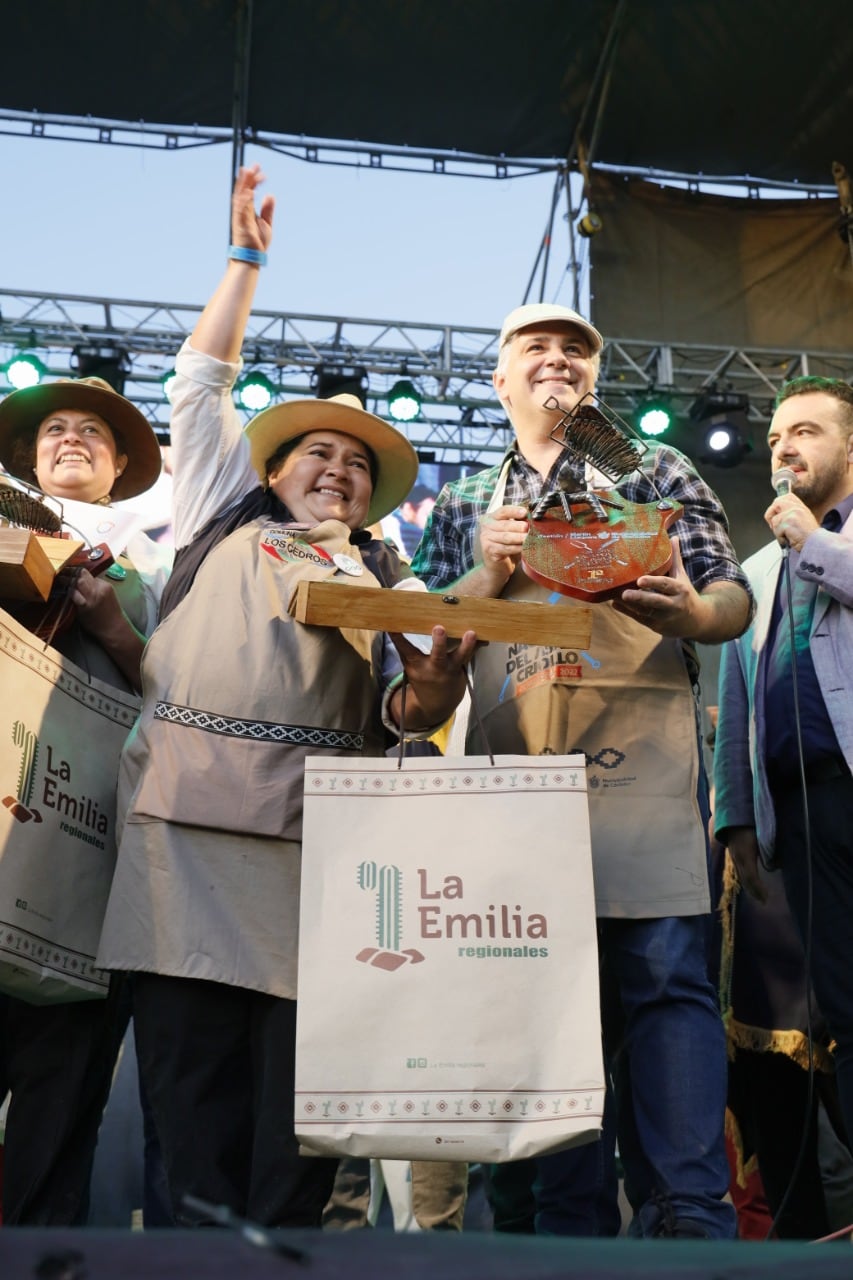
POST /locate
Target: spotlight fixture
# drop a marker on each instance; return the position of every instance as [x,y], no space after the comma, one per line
[722,420]
[404,401]
[24,370]
[101,360]
[654,416]
[590,224]
[724,444]
[166,382]
[338,379]
[255,391]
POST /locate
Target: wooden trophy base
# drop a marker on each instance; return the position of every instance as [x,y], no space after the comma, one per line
[26,573]
[330,604]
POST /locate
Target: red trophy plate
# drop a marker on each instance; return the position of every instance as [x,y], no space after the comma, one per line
[605,547]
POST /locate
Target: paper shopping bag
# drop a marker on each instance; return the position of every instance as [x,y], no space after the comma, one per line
[61,733]
[448,970]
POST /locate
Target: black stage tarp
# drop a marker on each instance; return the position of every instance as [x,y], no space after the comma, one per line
[697,86]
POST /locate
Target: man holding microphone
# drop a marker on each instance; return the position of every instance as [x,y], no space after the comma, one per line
[784,746]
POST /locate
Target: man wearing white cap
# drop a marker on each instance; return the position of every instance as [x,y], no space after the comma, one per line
[630,704]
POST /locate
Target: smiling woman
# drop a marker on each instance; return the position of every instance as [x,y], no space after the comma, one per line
[83,441]
[204,906]
[77,456]
[325,475]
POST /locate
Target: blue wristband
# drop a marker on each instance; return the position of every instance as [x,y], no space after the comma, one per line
[241,254]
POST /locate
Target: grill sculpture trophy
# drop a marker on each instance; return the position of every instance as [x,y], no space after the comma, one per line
[594,543]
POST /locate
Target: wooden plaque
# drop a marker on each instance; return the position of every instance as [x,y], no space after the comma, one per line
[26,573]
[332,604]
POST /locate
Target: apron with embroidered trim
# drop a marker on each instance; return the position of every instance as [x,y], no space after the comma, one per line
[236,694]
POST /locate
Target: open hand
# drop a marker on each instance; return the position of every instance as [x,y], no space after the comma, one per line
[436,679]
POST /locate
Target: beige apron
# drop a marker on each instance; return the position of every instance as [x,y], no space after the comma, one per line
[629,706]
[236,694]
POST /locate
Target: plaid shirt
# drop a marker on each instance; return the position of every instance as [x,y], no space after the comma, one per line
[446,550]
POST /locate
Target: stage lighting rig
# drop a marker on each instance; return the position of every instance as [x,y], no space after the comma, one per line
[721,417]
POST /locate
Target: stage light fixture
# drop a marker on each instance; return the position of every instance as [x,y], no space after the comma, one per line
[654,417]
[724,444]
[24,370]
[590,224]
[337,379]
[722,420]
[101,360]
[255,392]
[404,401]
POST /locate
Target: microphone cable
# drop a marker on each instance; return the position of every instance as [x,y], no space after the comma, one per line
[782,482]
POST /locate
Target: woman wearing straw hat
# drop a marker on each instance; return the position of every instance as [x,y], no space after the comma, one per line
[204,904]
[82,441]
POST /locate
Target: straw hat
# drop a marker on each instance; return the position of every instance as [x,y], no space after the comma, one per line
[396,460]
[23,411]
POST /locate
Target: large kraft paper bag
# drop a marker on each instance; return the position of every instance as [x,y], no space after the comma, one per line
[448,970]
[61,733]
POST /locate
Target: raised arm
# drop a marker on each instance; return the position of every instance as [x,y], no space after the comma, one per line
[211,465]
[222,324]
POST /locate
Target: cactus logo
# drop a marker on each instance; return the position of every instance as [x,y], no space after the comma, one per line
[386,884]
[20,804]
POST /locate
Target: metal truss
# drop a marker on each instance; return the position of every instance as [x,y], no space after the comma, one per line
[461,419]
[128,133]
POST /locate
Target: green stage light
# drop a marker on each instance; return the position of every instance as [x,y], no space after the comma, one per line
[255,392]
[404,401]
[654,418]
[24,371]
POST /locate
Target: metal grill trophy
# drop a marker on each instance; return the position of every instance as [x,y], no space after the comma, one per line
[594,543]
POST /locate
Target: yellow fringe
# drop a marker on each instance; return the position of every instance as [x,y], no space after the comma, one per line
[793,1044]
[743,1168]
[740,1035]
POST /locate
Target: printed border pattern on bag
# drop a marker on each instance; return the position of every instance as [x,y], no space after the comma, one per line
[412,781]
[122,708]
[28,951]
[463,1106]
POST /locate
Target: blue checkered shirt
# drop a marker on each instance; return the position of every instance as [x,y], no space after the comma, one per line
[446,551]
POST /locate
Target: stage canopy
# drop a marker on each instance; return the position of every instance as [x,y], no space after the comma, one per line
[717,87]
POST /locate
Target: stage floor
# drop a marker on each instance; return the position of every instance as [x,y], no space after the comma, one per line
[63,1254]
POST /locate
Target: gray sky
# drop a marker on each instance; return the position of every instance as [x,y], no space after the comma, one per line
[111,221]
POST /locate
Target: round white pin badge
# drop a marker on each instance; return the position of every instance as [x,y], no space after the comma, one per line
[347,565]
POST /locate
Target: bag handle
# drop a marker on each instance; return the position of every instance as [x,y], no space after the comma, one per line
[401,750]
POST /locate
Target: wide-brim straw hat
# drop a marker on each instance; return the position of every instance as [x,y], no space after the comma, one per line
[22,412]
[396,460]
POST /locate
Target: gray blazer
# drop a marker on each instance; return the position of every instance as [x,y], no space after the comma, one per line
[742,795]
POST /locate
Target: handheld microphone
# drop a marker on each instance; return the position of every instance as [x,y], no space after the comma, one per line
[783,481]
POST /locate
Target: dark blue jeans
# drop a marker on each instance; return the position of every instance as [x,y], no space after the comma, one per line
[568,1193]
[669,1067]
